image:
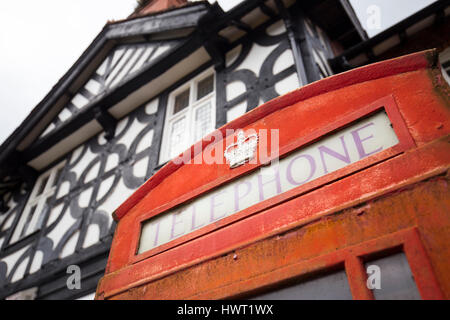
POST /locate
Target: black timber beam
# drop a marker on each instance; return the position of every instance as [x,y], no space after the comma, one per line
[18,171]
[107,121]
[354,19]
[217,19]
[267,10]
[301,48]
[216,54]
[3,206]
[241,25]
[294,41]
[179,18]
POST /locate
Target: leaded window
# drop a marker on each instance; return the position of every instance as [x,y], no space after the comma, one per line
[190,115]
[33,214]
[444,58]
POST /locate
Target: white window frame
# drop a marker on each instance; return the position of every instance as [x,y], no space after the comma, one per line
[444,57]
[38,201]
[188,112]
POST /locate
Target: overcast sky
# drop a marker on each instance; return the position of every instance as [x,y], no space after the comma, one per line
[40,41]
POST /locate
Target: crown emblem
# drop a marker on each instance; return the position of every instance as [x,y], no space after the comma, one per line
[237,154]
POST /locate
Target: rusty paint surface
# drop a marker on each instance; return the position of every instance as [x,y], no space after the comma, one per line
[313,227]
[268,263]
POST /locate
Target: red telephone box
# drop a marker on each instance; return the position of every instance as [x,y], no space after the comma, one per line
[336,190]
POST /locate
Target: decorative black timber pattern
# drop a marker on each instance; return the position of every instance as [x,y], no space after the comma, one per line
[15,201]
[97,177]
[260,85]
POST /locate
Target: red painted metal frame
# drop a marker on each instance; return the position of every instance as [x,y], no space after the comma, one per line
[177,259]
[405,142]
[352,259]
[407,241]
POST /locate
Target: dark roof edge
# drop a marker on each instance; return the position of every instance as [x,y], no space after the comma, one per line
[354,19]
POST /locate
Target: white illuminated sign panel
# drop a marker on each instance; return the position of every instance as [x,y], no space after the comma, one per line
[362,139]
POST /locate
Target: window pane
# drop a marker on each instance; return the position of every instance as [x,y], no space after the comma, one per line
[396,279]
[205,87]
[203,121]
[27,222]
[42,185]
[42,215]
[181,101]
[177,137]
[329,287]
[57,175]
[444,58]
